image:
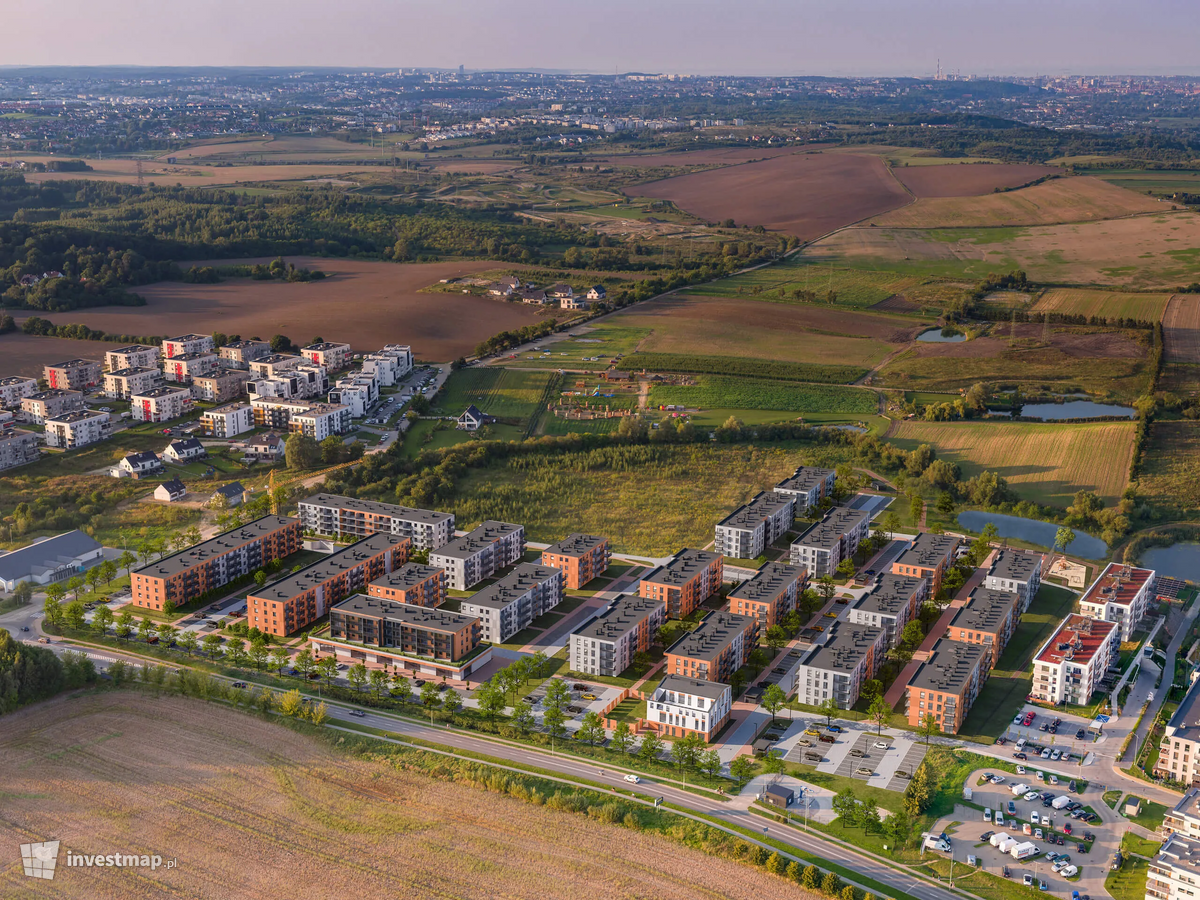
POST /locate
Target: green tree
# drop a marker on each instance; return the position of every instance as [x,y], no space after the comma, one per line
[880,711]
[127,561]
[379,683]
[846,567]
[333,450]
[74,585]
[945,503]
[826,587]
[452,703]
[845,804]
[650,747]
[491,700]
[811,878]
[891,523]
[260,578]
[53,610]
[188,641]
[710,763]
[685,750]
[773,699]
[848,892]
[522,718]
[102,619]
[279,659]
[741,768]
[401,687]
[22,594]
[775,864]
[75,615]
[125,624]
[431,698]
[327,668]
[622,738]
[773,764]
[357,676]
[829,708]
[928,727]
[776,637]
[93,577]
[259,654]
[831,884]
[554,720]
[304,663]
[793,872]
[558,694]
[301,452]
[591,729]
[911,636]
[235,652]
[211,643]
[145,628]
[167,633]
[1063,538]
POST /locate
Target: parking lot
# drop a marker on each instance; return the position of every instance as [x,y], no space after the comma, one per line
[1087,846]
[884,760]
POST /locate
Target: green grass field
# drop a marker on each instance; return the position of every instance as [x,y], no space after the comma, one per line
[854,287]
[578,352]
[1128,882]
[1109,304]
[504,393]
[1170,473]
[722,392]
[432,434]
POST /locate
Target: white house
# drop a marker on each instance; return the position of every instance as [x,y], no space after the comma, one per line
[472,419]
[137,465]
[185,450]
[265,447]
[170,491]
[597,292]
[680,706]
[229,496]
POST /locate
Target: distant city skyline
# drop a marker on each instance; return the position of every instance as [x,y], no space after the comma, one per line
[700,37]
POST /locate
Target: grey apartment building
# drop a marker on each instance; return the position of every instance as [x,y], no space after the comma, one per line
[824,545]
[122,384]
[1018,573]
[891,604]
[837,668]
[134,356]
[17,447]
[747,531]
[14,389]
[808,487]
[239,354]
[607,644]
[509,605]
[43,405]
[337,516]
[480,554]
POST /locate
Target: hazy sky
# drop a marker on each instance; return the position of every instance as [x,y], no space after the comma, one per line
[685,36]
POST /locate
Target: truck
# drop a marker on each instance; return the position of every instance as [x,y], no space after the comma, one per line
[1019,789]
[998,838]
[1060,801]
[1007,845]
[1024,851]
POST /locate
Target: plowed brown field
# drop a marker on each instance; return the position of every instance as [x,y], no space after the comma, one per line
[968,180]
[251,809]
[1181,328]
[720,157]
[807,194]
[21,354]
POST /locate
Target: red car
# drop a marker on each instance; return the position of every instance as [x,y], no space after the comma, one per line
[1029,717]
[1067,828]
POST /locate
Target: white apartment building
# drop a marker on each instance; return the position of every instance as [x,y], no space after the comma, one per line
[330,514]
[480,554]
[1071,664]
[513,602]
[135,356]
[1016,573]
[1184,818]
[809,486]
[185,367]
[273,365]
[892,603]
[680,706]
[1174,873]
[228,421]
[1179,752]
[121,384]
[749,530]
[78,429]
[836,668]
[824,545]
[320,421]
[358,392]
[187,343]
[276,414]
[160,404]
[1121,594]
[43,405]
[389,365]
[606,645]
[299,382]
[16,388]
[17,447]
[331,355]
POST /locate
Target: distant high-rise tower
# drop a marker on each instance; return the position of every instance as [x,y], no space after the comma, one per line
[461,70]
[938,76]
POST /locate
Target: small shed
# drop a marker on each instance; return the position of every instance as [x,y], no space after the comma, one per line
[1133,807]
[778,795]
[762,746]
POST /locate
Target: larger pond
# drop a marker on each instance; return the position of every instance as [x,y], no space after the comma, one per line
[942,336]
[1033,531]
[1075,409]
[1177,561]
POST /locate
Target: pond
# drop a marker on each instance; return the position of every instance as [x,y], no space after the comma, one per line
[1075,409]
[942,336]
[1033,531]
[1177,561]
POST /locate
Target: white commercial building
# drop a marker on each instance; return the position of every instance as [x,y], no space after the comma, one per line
[480,553]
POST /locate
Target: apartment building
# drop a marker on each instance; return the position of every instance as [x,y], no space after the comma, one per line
[276,414]
[336,516]
[134,356]
[331,355]
[358,392]
[1121,594]
[1071,664]
[228,421]
[412,583]
[298,600]
[187,367]
[1174,872]
[847,657]
[73,375]
[890,604]
[607,644]
[1179,752]
[770,595]
[192,573]
[1017,572]
[928,556]
[1184,817]
[823,546]
[690,578]
[411,641]
[480,553]
[273,365]
[121,384]
[299,382]
[581,557]
[389,365]
[747,531]
[17,447]
[947,683]
[513,602]
[187,343]
[239,354]
[221,386]
[320,420]
[988,617]
[808,487]
[161,404]
[681,706]
[14,389]
[43,405]
[78,429]
[720,645]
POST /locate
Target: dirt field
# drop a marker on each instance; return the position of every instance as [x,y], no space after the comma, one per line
[1110,304]
[720,157]
[367,304]
[1097,345]
[1181,329]
[807,195]
[250,809]
[1046,463]
[1077,199]
[967,180]
[21,354]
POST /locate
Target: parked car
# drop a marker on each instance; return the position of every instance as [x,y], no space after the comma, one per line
[1021,756]
[1020,770]
[588,697]
[1032,795]
[882,745]
[1069,872]
[240,685]
[1080,734]
[1071,786]
[1027,878]
[836,729]
[997,779]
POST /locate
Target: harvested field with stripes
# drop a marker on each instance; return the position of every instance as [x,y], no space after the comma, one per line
[1108,304]
[1181,329]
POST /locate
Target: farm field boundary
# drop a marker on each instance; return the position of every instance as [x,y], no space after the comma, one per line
[736,365]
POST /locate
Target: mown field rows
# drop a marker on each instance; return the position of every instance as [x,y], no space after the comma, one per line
[1108,304]
[717,391]
[1044,463]
[504,393]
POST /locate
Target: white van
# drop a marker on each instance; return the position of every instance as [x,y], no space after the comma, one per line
[987,815]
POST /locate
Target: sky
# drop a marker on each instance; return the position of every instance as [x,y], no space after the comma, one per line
[732,37]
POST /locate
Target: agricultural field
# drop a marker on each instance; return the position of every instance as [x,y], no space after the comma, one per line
[743,393]
[1139,253]
[365,303]
[1108,304]
[252,808]
[22,354]
[730,156]
[804,194]
[124,171]
[504,393]
[648,499]
[1044,463]
[1170,472]
[1181,329]
[1167,181]
[967,180]
[588,347]
[1052,202]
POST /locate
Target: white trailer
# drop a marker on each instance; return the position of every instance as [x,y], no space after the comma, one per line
[1019,789]
[1060,801]
[1007,844]
[999,838]
[1023,851]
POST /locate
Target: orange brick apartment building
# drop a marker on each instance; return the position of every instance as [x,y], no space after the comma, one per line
[581,557]
[412,583]
[690,578]
[719,646]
